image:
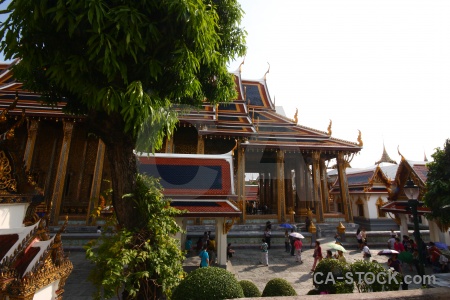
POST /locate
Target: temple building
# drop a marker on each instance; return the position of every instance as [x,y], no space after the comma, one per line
[32,263]
[290,159]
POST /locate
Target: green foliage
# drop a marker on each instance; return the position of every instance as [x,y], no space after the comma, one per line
[438,185]
[278,287]
[364,267]
[313,292]
[338,272]
[208,283]
[128,59]
[142,259]
[250,289]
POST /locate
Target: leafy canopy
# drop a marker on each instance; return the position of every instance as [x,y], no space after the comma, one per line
[133,59]
[437,195]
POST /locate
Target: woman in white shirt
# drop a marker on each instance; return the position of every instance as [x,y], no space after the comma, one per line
[366,252]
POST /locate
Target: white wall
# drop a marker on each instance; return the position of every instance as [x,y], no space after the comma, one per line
[12,215]
[48,292]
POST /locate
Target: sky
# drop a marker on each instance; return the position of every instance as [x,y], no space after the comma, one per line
[382,67]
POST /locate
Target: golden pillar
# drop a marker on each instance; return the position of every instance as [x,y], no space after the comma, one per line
[241,182]
[200,144]
[290,205]
[343,185]
[280,187]
[324,186]
[56,196]
[316,184]
[96,179]
[31,141]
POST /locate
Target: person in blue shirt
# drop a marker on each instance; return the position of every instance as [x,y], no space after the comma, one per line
[204,257]
[188,245]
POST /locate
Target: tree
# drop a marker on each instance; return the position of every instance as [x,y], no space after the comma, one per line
[437,196]
[123,65]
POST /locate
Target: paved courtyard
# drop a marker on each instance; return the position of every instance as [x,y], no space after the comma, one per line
[244,264]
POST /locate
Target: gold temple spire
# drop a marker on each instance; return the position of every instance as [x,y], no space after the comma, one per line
[360,142]
[329,128]
[385,157]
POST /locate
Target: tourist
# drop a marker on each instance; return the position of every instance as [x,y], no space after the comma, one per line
[298,250]
[204,262]
[212,251]
[292,240]
[329,255]
[337,239]
[391,242]
[394,263]
[340,256]
[398,246]
[267,235]
[434,254]
[307,224]
[230,251]
[363,235]
[317,255]
[199,244]
[188,245]
[264,253]
[287,242]
[393,234]
[359,238]
[366,252]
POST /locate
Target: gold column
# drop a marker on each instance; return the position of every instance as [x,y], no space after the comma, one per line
[31,141]
[324,187]
[343,185]
[241,182]
[316,182]
[280,187]
[96,179]
[60,175]
[200,144]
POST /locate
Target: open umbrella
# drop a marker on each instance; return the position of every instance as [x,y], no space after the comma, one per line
[286,225]
[405,256]
[387,252]
[336,247]
[441,246]
[297,235]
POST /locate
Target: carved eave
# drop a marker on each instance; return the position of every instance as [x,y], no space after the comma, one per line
[416,171]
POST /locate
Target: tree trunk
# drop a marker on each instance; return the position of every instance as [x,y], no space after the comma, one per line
[122,161]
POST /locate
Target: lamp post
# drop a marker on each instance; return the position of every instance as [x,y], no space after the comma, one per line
[412,192]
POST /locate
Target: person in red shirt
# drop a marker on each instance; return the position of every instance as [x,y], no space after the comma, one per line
[298,250]
[398,246]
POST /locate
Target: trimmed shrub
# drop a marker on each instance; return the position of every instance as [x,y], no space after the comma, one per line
[331,275]
[250,289]
[375,282]
[208,283]
[278,287]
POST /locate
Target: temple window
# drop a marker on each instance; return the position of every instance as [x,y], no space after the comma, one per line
[360,207]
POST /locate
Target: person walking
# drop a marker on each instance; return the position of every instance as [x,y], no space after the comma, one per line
[287,242]
[264,253]
[267,235]
[317,255]
[359,238]
[340,256]
[292,240]
[307,224]
[204,257]
[298,250]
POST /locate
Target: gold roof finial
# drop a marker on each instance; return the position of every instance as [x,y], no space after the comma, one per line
[296,116]
[360,142]
[329,128]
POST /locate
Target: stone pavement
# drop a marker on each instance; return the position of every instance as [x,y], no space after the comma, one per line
[244,264]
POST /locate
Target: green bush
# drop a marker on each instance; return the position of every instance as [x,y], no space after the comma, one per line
[208,283]
[331,275]
[375,283]
[278,287]
[250,289]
